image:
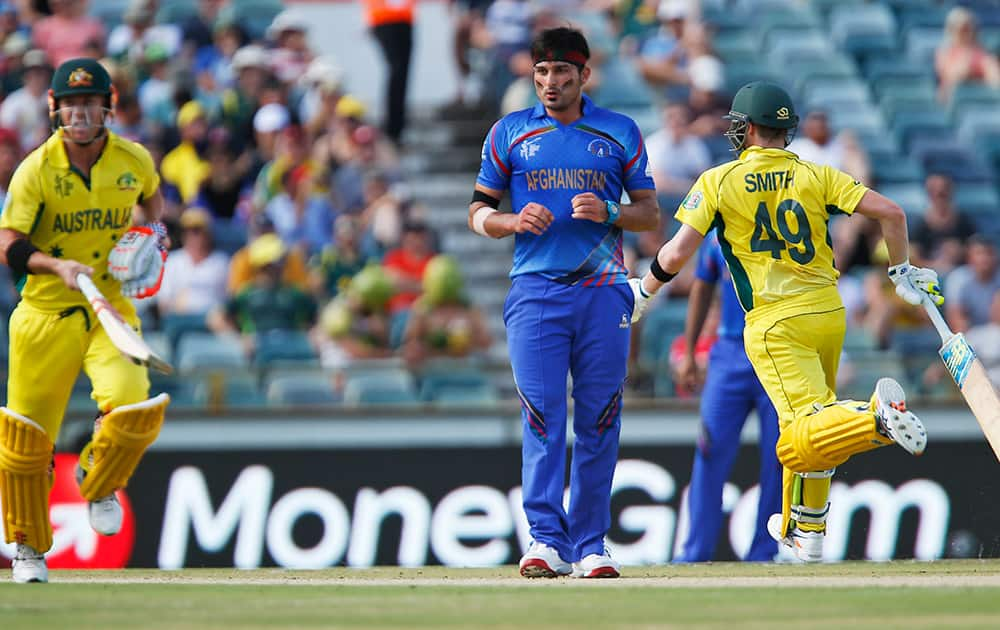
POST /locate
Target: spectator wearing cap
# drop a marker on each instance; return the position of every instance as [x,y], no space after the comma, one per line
[301,215]
[406,263]
[662,59]
[294,270]
[291,151]
[291,55]
[320,93]
[15,46]
[156,93]
[366,154]
[194,280]
[391,24]
[68,32]
[252,70]
[268,124]
[27,109]
[128,41]
[268,303]
[184,167]
[10,157]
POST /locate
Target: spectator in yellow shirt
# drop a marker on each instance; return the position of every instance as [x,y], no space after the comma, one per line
[183,167]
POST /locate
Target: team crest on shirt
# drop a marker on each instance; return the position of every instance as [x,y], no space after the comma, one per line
[80,78]
[693,200]
[600,148]
[529,148]
[127,181]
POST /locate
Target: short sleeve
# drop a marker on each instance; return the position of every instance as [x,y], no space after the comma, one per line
[24,199]
[150,178]
[494,171]
[700,205]
[638,175]
[843,192]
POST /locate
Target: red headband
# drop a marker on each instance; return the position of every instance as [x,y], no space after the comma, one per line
[574,57]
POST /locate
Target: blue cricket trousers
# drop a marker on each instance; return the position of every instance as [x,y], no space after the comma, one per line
[731,391]
[554,329]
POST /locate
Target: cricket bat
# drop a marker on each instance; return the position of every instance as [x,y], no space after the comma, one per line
[121,334]
[970,376]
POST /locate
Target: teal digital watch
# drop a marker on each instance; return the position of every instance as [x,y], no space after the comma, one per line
[614,211]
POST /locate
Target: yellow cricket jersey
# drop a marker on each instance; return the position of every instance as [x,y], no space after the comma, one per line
[772,211]
[69,216]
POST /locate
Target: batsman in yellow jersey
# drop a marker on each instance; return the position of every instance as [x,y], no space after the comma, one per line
[69,210]
[771,212]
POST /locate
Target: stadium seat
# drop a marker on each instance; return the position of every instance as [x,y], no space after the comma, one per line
[977,198]
[388,388]
[971,123]
[864,45]
[810,45]
[959,162]
[175,326]
[736,46]
[466,396]
[227,388]
[890,168]
[197,351]
[970,95]
[868,18]
[916,13]
[898,84]
[256,15]
[660,325]
[867,368]
[818,91]
[284,346]
[175,11]
[109,12]
[155,339]
[911,197]
[596,27]
[907,125]
[451,375]
[229,235]
[302,389]
[920,42]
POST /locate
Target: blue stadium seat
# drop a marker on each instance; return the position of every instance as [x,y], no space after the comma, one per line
[820,90]
[433,383]
[229,388]
[176,326]
[284,346]
[198,351]
[869,45]
[736,46]
[660,325]
[466,396]
[229,235]
[907,125]
[911,13]
[810,45]
[157,341]
[896,67]
[868,18]
[109,12]
[911,197]
[175,11]
[301,389]
[959,162]
[977,198]
[888,85]
[971,95]
[256,15]
[891,168]
[387,388]
[921,42]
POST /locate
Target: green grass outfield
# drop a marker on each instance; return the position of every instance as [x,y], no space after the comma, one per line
[946,594]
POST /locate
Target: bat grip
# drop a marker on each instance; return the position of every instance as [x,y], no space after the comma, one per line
[937,319]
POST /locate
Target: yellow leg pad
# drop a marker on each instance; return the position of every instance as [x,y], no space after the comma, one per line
[815,493]
[118,443]
[827,438]
[25,480]
[791,490]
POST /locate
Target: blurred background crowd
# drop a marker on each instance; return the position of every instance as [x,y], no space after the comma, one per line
[321,248]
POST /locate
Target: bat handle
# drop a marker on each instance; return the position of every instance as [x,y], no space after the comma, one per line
[937,319]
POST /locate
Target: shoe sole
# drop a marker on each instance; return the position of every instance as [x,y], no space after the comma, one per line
[904,428]
[601,572]
[537,569]
[775,531]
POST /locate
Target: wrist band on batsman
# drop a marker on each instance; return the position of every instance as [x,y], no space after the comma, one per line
[658,272]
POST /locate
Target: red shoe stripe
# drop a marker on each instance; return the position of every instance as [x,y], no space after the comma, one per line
[603,572]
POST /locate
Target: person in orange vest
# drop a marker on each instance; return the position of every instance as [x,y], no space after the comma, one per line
[391,23]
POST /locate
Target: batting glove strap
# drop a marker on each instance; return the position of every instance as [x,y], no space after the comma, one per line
[913,283]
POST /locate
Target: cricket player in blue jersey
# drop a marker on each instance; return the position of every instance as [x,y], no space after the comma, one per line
[731,391]
[570,306]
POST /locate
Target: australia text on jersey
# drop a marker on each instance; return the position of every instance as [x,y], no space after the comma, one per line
[92,219]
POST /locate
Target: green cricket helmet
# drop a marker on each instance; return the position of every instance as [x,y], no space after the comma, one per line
[80,76]
[761,103]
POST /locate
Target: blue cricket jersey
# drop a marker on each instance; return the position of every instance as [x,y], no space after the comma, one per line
[712,268]
[538,159]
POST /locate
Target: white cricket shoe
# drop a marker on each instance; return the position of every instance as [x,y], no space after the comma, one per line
[904,428]
[106,514]
[29,566]
[808,546]
[597,566]
[543,561]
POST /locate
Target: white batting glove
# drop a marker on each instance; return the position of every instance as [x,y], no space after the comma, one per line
[641,298]
[913,283]
[137,260]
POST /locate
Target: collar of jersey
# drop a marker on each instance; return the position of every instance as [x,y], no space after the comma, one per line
[57,155]
[538,111]
[754,151]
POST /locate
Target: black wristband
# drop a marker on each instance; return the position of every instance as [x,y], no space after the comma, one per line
[492,202]
[18,254]
[658,271]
